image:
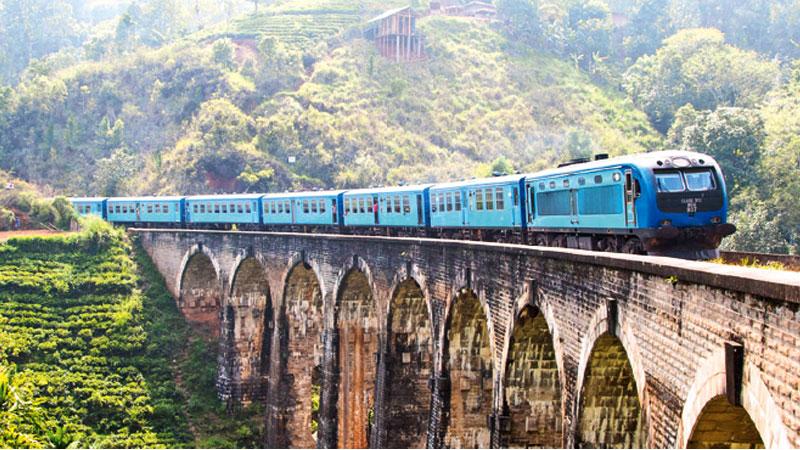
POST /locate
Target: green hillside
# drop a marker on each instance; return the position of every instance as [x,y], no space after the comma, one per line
[94,352]
[301,82]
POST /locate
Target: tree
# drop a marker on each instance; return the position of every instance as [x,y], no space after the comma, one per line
[521,19]
[218,153]
[590,26]
[114,174]
[697,67]
[222,53]
[733,136]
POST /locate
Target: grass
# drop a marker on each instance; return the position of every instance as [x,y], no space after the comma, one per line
[96,353]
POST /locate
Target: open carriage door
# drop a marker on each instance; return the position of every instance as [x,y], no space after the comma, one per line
[630,196]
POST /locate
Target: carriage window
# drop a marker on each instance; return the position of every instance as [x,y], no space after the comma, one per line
[216,208]
[149,209]
[669,182]
[458,201]
[552,185]
[516,196]
[224,208]
[397,204]
[499,200]
[347,205]
[699,181]
[598,179]
[288,208]
[280,207]
[165,208]
[406,205]
[116,209]
[441,202]
[388,201]
[232,208]
[239,208]
[566,183]
[489,199]
[322,206]
[479,200]
[273,208]
[202,208]
[582,181]
[449,201]
[305,206]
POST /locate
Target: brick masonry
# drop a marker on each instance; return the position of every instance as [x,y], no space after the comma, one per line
[514,345]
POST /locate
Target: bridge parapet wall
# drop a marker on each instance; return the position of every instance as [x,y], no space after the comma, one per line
[658,325]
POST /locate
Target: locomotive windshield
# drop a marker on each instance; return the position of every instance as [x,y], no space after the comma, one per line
[669,182]
[681,181]
[702,180]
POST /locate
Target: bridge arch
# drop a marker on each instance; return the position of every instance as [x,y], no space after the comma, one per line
[249,323]
[533,383]
[469,362]
[357,329]
[609,414]
[756,423]
[200,293]
[300,326]
[409,365]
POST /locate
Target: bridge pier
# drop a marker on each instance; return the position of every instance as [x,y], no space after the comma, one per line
[490,344]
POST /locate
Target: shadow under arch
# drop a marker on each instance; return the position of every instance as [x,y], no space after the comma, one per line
[609,411]
[469,364]
[250,328]
[707,398]
[409,366]
[295,401]
[358,343]
[532,384]
[200,290]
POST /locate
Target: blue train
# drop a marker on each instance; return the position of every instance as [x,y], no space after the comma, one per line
[665,203]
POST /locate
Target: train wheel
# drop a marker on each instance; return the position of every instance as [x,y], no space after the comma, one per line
[633,246]
[541,240]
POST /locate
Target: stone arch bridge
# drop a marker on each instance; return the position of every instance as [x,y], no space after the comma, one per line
[417,342]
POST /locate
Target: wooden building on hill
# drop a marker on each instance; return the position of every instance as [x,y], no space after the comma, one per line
[395,34]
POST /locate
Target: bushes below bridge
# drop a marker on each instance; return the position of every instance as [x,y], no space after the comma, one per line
[93,351]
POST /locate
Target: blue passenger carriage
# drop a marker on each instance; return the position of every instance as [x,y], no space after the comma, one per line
[143,210]
[397,207]
[300,209]
[224,210]
[89,206]
[492,204]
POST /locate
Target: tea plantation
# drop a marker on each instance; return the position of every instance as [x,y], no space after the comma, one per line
[93,352]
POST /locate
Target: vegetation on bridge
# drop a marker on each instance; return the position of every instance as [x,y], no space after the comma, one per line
[94,353]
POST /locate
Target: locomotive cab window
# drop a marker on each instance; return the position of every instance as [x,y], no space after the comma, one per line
[700,180]
[669,182]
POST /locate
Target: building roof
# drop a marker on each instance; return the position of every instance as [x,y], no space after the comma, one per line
[389,13]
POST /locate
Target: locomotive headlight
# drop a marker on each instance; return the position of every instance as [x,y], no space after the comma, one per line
[666,222]
[617,176]
[681,162]
[716,219]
